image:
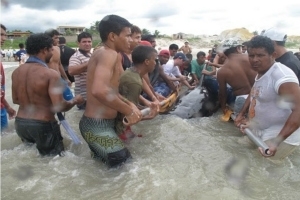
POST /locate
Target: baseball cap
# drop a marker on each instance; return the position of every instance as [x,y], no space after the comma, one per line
[275,34]
[164,52]
[145,43]
[228,43]
[181,56]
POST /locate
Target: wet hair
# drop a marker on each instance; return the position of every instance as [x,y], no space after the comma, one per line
[112,24]
[21,45]
[37,42]
[51,32]
[3,27]
[83,35]
[189,56]
[173,46]
[262,42]
[141,53]
[200,53]
[148,37]
[135,29]
[62,40]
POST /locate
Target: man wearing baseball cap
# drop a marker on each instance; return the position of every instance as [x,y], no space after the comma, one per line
[237,73]
[173,72]
[282,55]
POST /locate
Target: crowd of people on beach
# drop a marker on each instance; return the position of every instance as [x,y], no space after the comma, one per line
[257,80]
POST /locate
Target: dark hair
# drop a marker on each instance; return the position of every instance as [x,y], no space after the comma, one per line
[112,23]
[148,37]
[200,53]
[231,50]
[36,42]
[135,29]
[262,42]
[21,45]
[3,27]
[189,56]
[141,53]
[51,32]
[83,35]
[62,40]
[173,46]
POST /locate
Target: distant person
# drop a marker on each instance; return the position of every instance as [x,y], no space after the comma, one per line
[55,64]
[274,110]
[65,55]
[9,54]
[20,53]
[244,47]
[78,64]
[209,55]
[282,54]
[173,49]
[38,91]
[5,107]
[150,38]
[186,48]
[98,123]
[213,52]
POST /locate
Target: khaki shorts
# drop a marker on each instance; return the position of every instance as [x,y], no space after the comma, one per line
[283,151]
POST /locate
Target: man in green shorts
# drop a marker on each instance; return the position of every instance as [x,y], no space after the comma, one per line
[98,123]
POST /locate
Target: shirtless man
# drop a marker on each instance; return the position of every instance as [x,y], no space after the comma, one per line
[97,124]
[55,62]
[186,48]
[38,92]
[237,73]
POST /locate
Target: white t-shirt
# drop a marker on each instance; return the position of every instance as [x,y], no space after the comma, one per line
[267,115]
[171,70]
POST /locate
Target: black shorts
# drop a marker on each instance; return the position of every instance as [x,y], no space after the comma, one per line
[46,135]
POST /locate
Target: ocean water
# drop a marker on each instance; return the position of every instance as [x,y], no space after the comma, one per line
[182,159]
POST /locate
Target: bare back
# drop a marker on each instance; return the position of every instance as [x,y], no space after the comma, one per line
[104,71]
[237,72]
[31,90]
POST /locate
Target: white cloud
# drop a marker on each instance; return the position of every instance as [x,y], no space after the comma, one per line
[169,16]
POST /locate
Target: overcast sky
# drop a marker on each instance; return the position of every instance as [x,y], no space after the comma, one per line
[167,16]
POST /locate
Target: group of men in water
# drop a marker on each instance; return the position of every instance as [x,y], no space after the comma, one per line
[258,88]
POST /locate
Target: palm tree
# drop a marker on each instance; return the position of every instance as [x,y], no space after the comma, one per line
[145,32]
[156,33]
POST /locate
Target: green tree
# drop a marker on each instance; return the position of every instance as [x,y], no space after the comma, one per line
[69,32]
[145,31]
[255,32]
[156,33]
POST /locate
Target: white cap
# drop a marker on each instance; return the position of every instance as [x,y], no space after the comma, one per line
[275,34]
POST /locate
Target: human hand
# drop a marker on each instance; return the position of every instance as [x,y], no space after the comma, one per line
[205,72]
[154,109]
[78,100]
[238,120]
[160,97]
[11,113]
[69,83]
[134,117]
[271,152]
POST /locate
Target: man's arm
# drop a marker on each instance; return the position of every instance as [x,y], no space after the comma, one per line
[190,50]
[62,72]
[166,79]
[293,122]
[77,69]
[193,72]
[58,102]
[222,90]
